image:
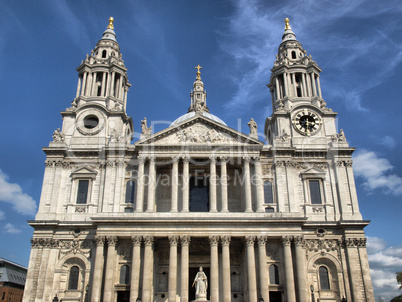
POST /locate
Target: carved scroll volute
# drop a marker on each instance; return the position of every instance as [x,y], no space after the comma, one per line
[185,240]
[136,240]
[225,240]
[250,240]
[173,240]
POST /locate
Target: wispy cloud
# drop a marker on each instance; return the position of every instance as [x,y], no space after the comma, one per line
[385,261]
[2,215]
[253,36]
[12,194]
[11,229]
[375,172]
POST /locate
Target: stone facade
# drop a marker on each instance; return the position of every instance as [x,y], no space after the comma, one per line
[277,220]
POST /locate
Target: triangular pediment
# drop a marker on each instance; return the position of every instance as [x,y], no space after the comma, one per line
[84,172]
[313,172]
[199,130]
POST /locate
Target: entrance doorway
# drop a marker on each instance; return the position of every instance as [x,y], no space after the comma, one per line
[193,271]
[275,296]
[123,296]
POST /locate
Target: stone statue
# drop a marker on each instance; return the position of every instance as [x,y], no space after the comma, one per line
[201,285]
[253,127]
[342,136]
[58,136]
[145,129]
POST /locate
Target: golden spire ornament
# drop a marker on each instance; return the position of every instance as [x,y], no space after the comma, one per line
[198,67]
[110,26]
[287,25]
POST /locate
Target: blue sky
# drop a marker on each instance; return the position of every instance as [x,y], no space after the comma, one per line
[357,44]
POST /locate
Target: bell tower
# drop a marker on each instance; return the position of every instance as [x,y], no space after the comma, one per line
[98,112]
[299,111]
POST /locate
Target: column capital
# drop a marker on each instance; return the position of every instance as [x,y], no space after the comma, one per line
[149,240]
[173,240]
[212,159]
[112,240]
[286,240]
[141,159]
[225,240]
[249,240]
[151,159]
[299,240]
[224,159]
[136,240]
[100,240]
[185,240]
[257,160]
[246,159]
[213,240]
[185,159]
[262,240]
[175,159]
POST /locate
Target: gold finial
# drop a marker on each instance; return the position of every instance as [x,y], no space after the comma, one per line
[111,20]
[287,25]
[198,67]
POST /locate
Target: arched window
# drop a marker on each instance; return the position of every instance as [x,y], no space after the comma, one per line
[273,274]
[125,274]
[293,55]
[73,278]
[268,192]
[324,278]
[104,54]
[130,191]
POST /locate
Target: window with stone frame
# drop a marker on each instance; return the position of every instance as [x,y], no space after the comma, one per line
[73,278]
[82,191]
[82,185]
[268,192]
[313,182]
[199,194]
[315,191]
[273,274]
[125,274]
[130,191]
[324,278]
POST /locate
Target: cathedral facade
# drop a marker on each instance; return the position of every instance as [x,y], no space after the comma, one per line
[198,211]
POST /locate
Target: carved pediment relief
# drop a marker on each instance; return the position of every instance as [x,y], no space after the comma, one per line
[198,134]
[84,172]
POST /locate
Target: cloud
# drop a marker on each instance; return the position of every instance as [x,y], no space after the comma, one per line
[11,229]
[384,261]
[2,215]
[375,172]
[388,142]
[12,194]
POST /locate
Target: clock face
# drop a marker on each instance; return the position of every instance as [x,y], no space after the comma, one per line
[306,122]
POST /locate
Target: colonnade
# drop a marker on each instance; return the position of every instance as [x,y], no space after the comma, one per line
[286,85]
[111,84]
[254,290]
[151,184]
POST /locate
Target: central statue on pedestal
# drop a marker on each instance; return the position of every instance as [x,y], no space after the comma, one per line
[201,285]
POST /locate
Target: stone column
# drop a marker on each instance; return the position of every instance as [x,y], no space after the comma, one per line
[313,83]
[186,184]
[185,242]
[173,267]
[259,184]
[247,184]
[227,297]
[78,87]
[147,283]
[212,185]
[251,275]
[139,200]
[84,83]
[294,85]
[94,76]
[112,84]
[175,183]
[135,268]
[224,185]
[103,87]
[213,240]
[285,83]
[368,287]
[304,84]
[98,270]
[151,185]
[308,80]
[301,271]
[319,87]
[278,94]
[290,284]
[108,80]
[108,294]
[262,257]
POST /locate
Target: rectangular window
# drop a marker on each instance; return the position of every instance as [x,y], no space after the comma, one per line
[82,194]
[199,194]
[315,192]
